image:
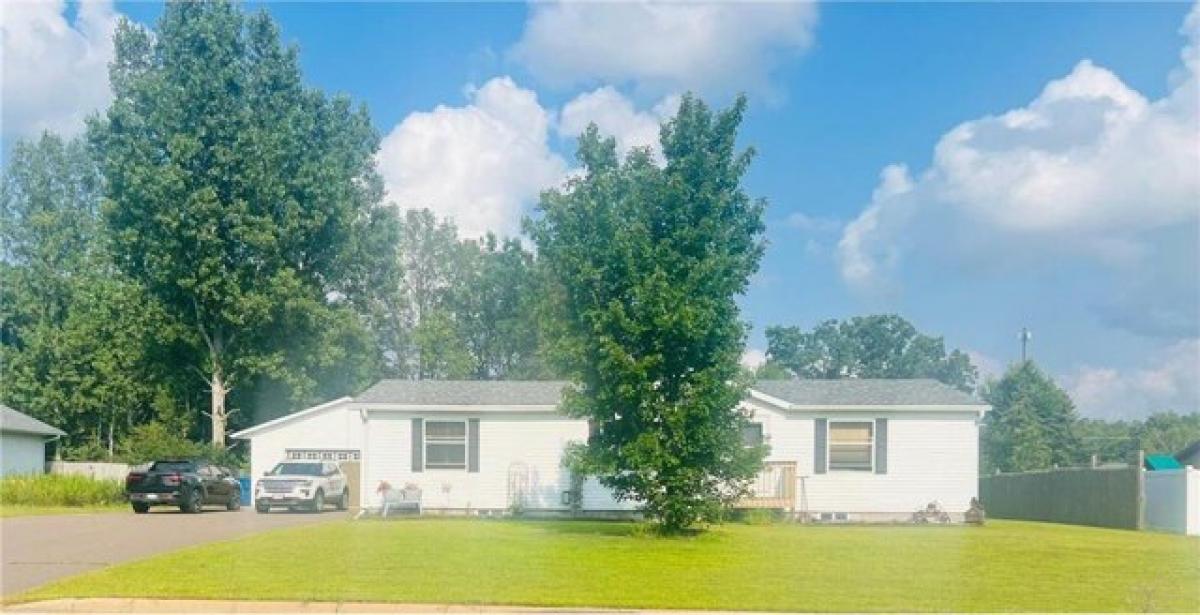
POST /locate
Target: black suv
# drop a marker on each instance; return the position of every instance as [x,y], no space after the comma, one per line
[188,484]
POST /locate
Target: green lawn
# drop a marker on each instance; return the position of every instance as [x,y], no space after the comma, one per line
[1000,567]
[11,510]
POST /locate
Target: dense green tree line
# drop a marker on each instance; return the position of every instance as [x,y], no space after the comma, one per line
[879,346]
[215,251]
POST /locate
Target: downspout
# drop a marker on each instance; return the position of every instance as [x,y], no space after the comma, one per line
[57,450]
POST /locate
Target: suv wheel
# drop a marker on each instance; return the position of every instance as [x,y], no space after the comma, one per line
[262,508]
[235,500]
[318,501]
[140,508]
[344,501]
[192,501]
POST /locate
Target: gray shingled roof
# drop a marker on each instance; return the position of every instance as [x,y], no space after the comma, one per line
[465,392]
[847,392]
[12,421]
[865,392]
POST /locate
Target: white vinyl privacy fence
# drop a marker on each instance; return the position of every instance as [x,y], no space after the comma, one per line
[1173,501]
[91,469]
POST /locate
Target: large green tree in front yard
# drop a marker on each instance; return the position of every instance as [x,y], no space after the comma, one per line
[649,262]
[234,194]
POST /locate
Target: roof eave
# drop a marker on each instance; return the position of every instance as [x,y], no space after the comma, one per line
[891,407]
[251,431]
[51,432]
[395,407]
[791,407]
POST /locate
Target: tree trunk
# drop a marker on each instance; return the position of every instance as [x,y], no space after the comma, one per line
[218,414]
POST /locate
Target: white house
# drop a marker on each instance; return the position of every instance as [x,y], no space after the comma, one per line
[23,442]
[840,450]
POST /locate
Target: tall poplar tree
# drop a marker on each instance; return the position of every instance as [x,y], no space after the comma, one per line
[649,262]
[233,191]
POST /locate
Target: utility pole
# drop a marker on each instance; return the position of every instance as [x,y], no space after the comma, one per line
[1025,337]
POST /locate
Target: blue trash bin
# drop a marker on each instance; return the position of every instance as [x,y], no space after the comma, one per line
[244,481]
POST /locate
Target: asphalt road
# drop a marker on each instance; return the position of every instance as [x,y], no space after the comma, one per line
[40,549]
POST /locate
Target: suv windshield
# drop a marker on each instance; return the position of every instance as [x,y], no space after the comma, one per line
[294,469]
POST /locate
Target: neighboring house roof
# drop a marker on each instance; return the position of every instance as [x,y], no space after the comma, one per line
[863,392]
[12,421]
[1188,452]
[1161,462]
[465,392]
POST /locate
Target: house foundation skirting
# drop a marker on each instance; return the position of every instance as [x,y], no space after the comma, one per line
[830,518]
[871,517]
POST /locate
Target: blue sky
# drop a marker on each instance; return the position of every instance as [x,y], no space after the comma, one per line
[1035,190]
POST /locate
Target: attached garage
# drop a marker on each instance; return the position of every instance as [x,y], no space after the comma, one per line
[332,431]
[23,442]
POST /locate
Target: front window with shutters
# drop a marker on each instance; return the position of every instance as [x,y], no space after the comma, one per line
[446,445]
[851,446]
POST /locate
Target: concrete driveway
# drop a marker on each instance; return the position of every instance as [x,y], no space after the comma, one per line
[40,549]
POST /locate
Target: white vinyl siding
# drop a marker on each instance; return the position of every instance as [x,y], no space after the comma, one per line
[932,456]
[520,463]
[22,453]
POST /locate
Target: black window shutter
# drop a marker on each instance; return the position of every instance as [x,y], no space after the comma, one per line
[473,445]
[819,446]
[881,441]
[418,445]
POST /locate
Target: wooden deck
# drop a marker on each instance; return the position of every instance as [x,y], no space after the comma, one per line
[774,487]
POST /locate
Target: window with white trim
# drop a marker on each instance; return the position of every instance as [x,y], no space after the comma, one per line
[852,446]
[446,445]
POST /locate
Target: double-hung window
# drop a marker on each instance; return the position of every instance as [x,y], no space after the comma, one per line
[752,434]
[851,446]
[446,445]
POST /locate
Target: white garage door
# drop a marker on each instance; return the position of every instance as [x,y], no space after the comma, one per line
[322,454]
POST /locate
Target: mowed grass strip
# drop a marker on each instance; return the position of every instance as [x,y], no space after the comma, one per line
[1004,566]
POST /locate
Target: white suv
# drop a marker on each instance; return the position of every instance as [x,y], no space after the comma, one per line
[302,484]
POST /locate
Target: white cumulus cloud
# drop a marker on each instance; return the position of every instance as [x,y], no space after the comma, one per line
[1170,382]
[480,164]
[1089,170]
[664,46]
[617,116]
[485,163]
[55,71]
